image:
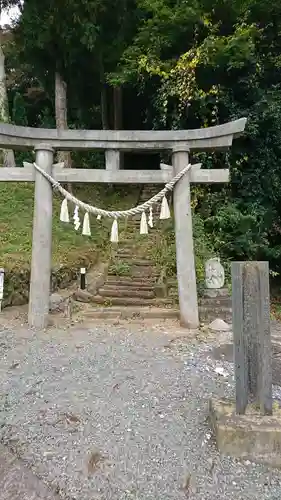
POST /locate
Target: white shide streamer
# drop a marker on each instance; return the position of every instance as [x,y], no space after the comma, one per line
[150,218]
[76,218]
[114,232]
[165,211]
[64,215]
[86,231]
[143,224]
[108,213]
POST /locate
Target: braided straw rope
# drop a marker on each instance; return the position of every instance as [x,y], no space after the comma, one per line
[114,214]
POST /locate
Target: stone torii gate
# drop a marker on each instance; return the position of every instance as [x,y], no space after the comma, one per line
[179,142]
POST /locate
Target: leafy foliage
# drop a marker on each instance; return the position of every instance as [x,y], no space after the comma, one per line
[180,64]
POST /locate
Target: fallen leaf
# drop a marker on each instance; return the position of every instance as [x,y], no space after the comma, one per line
[186,484]
[14,365]
[94,459]
[72,418]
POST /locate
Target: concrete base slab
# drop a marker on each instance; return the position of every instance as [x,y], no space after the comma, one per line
[131,312]
[247,437]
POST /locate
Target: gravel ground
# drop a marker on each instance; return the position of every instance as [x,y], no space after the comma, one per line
[119,412]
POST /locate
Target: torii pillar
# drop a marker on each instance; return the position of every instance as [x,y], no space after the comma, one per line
[186,274]
[185,255]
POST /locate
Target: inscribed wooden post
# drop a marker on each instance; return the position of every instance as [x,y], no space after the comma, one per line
[251,333]
[41,242]
[239,339]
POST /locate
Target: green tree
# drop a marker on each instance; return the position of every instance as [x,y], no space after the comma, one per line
[7,156]
[81,40]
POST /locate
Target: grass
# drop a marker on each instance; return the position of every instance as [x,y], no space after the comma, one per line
[120,268]
[16,219]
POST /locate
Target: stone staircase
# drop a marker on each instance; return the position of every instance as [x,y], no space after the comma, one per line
[133,281]
[133,285]
[132,277]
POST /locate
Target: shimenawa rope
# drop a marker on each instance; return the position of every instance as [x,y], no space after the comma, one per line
[114,214]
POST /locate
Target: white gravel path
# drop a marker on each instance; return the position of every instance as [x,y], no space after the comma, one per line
[118,413]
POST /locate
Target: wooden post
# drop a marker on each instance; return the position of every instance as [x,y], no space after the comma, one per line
[239,339]
[251,333]
[42,241]
[184,243]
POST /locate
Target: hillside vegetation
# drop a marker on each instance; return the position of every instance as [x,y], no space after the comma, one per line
[154,65]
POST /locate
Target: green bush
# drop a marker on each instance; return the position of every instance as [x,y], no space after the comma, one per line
[240,234]
[164,251]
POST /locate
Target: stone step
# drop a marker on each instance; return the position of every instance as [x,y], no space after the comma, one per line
[129,240]
[132,250]
[153,189]
[138,273]
[120,312]
[135,261]
[217,302]
[136,224]
[126,256]
[134,246]
[126,280]
[143,272]
[107,291]
[216,309]
[214,293]
[129,301]
[208,314]
[132,285]
[128,249]
[155,214]
[141,262]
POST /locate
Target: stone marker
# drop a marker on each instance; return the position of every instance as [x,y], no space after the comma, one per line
[214,273]
[248,428]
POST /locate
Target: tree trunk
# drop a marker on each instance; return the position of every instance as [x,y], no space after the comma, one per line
[117,98]
[103,98]
[7,157]
[104,113]
[61,115]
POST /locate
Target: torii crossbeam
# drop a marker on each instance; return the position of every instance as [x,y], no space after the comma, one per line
[179,142]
